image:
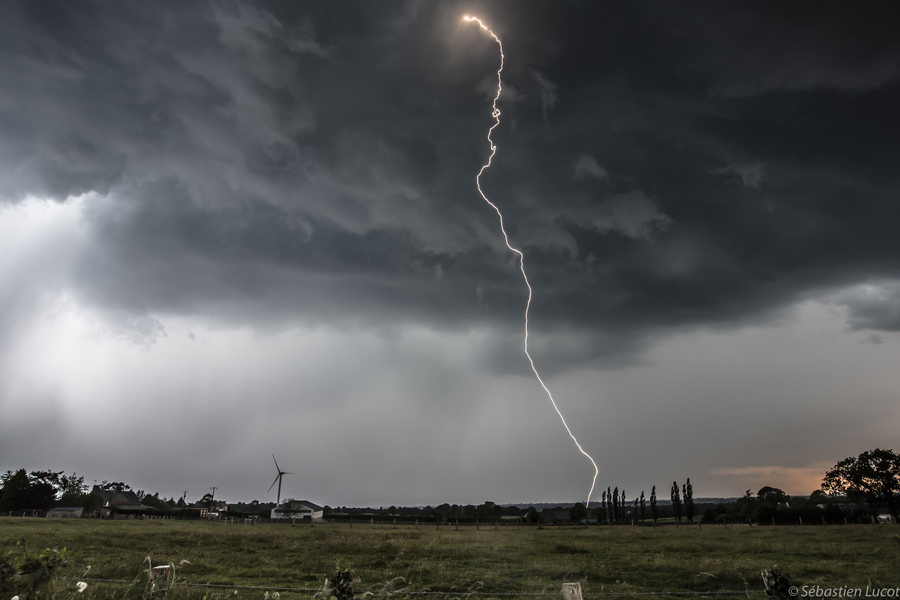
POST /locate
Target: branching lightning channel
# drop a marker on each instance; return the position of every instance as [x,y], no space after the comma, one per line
[495,113]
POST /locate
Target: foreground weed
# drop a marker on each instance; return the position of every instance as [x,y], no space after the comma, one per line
[158,581]
[337,587]
[778,586]
[25,573]
[390,590]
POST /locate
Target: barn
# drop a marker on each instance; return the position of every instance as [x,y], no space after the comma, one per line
[298,510]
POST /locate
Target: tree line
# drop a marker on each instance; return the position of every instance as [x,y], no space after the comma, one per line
[852,490]
[43,490]
[614,508]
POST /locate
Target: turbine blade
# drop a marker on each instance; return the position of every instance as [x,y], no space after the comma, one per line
[277,468]
[277,479]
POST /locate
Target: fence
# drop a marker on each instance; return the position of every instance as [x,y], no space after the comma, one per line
[570,591]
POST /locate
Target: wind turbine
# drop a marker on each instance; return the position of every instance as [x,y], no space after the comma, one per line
[278,479]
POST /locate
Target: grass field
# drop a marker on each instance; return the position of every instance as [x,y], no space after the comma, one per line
[249,560]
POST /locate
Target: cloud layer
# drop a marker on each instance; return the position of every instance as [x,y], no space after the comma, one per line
[244,172]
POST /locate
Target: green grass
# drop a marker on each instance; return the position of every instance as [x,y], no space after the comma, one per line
[506,560]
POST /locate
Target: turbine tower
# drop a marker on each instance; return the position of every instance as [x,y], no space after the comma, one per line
[278,479]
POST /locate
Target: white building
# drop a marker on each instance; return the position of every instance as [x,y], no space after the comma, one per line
[299,510]
[65,512]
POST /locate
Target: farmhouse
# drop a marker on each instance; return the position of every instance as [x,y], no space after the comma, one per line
[216,508]
[299,510]
[118,505]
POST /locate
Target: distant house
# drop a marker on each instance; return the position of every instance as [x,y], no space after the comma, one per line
[883,515]
[216,509]
[532,517]
[191,512]
[65,512]
[556,516]
[119,505]
[255,509]
[298,510]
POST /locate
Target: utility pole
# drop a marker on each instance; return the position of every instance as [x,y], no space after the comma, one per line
[214,488]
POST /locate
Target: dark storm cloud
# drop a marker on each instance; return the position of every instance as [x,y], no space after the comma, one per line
[768,47]
[267,163]
[800,209]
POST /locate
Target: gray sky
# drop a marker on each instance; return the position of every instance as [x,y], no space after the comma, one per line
[233,229]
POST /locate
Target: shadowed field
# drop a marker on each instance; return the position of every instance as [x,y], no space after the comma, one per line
[295,559]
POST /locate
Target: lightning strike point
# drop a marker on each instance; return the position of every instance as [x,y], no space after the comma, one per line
[495,113]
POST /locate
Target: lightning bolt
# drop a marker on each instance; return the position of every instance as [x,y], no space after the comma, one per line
[495,113]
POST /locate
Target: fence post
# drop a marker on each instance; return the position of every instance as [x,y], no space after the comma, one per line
[571,591]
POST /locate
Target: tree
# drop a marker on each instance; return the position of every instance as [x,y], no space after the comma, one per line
[72,491]
[643,507]
[14,490]
[616,504]
[600,511]
[654,510]
[577,512]
[771,495]
[115,486]
[873,477]
[817,497]
[153,500]
[488,510]
[23,492]
[49,477]
[676,501]
[688,495]
[92,502]
[744,508]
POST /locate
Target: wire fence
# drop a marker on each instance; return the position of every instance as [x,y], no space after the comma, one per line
[471,594]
